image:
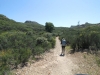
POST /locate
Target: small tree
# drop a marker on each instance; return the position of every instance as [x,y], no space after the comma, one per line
[49,27]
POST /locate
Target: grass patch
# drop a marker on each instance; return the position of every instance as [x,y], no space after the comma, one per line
[88,63]
[68,48]
[84,56]
[98,61]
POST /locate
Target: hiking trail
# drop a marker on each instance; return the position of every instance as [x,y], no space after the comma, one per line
[51,64]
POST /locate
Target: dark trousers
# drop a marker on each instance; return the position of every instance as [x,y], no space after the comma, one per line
[63,50]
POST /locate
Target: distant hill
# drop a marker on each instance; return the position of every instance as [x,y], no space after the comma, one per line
[7,24]
[33,23]
[85,25]
[4,18]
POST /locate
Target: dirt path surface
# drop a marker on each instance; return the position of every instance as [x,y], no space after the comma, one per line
[51,64]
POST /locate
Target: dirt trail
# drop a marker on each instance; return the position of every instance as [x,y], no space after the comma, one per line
[51,64]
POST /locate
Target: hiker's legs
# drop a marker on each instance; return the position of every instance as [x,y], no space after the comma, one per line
[63,50]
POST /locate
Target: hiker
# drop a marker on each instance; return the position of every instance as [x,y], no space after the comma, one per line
[63,43]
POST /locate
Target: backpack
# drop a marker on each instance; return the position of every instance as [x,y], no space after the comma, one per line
[63,42]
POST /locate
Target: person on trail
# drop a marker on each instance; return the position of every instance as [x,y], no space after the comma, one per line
[63,43]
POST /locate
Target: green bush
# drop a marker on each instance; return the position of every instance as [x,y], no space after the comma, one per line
[20,44]
[5,60]
[49,27]
[41,40]
[84,40]
[38,50]
[51,38]
[52,41]
[44,43]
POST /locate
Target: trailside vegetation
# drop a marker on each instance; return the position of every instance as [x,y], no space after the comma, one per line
[49,27]
[82,38]
[19,41]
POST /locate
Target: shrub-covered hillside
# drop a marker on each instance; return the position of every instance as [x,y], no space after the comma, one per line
[19,41]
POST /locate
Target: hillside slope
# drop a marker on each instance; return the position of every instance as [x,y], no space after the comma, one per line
[19,41]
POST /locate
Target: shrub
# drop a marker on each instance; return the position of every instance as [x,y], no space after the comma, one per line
[38,50]
[49,27]
[5,60]
[51,38]
[40,40]
[52,41]
[44,43]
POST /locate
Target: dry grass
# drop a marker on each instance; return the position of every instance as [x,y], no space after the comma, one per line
[68,48]
[87,62]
